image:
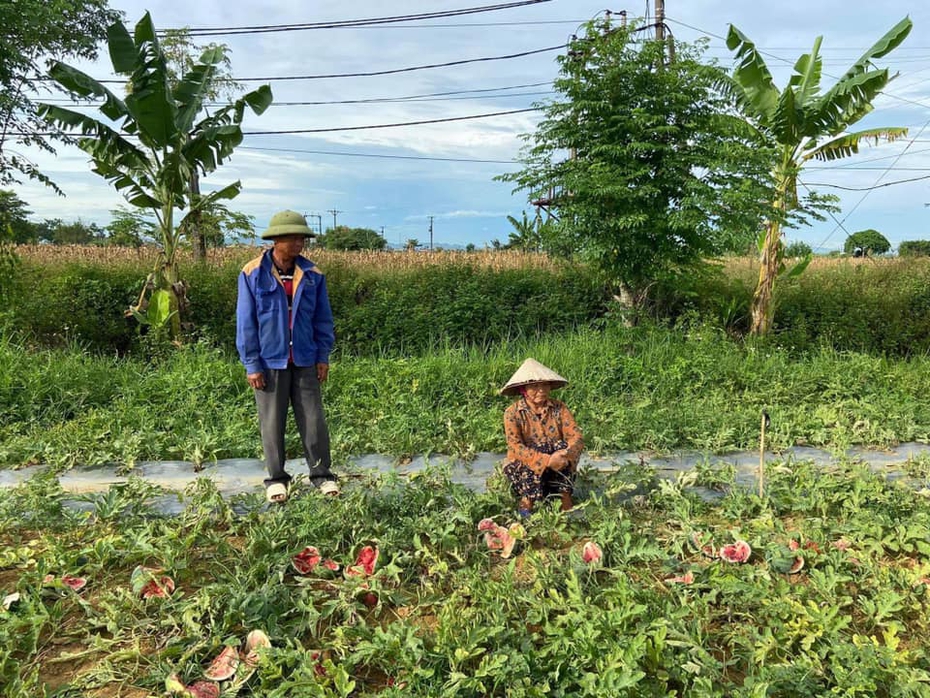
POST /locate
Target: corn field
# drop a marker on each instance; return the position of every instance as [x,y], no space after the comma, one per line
[387,261]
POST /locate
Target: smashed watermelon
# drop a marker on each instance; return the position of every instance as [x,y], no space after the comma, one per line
[149,582]
[224,666]
[255,642]
[365,562]
[591,553]
[306,560]
[736,553]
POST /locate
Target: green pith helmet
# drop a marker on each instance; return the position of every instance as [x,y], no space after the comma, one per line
[287,223]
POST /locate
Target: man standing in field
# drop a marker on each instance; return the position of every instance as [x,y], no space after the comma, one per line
[284,335]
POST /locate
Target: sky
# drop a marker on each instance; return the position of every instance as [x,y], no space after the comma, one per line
[403,180]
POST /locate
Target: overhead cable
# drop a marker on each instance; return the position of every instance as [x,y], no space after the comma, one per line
[329,130]
[268,28]
[395,125]
[375,73]
[377,155]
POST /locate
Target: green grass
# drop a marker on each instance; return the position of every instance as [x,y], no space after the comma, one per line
[451,618]
[642,388]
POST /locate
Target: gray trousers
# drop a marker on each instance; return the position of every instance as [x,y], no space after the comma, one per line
[297,386]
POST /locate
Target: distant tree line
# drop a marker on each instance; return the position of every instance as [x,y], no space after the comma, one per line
[127,227]
[342,237]
[914,248]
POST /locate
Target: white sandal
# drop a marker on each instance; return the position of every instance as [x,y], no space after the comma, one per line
[329,488]
[276,493]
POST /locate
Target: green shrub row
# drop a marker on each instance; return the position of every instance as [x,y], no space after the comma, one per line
[400,312]
[872,306]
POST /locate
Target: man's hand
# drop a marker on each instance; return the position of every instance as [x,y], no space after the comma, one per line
[322,372]
[256,380]
[558,460]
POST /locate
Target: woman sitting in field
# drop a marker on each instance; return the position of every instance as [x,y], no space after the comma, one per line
[543,441]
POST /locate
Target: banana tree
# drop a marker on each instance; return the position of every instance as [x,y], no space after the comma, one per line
[803,124]
[151,144]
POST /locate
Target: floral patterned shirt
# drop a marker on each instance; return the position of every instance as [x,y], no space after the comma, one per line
[530,436]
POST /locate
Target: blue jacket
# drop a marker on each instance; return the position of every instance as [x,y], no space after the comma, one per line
[262,335]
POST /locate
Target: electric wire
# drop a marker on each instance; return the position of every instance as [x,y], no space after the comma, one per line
[334,129]
[268,28]
[392,125]
[382,156]
[876,186]
[376,73]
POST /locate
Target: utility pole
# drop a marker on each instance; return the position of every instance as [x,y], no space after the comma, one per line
[431,233]
[660,32]
[334,212]
[319,221]
[660,20]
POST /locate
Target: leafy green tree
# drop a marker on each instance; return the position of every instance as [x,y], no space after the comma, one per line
[866,242]
[801,124]
[32,32]
[204,228]
[411,244]
[14,222]
[525,234]
[129,228]
[798,248]
[660,173]
[216,223]
[345,238]
[155,174]
[75,233]
[914,248]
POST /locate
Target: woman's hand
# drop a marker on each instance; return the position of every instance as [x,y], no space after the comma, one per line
[559,460]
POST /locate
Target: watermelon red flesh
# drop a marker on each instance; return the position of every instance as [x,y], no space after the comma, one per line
[224,666]
[75,583]
[306,560]
[736,552]
[158,588]
[203,689]
[364,563]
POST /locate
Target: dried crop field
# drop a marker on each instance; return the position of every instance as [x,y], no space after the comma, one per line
[382,260]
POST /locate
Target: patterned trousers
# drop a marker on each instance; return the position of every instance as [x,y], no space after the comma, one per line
[525,483]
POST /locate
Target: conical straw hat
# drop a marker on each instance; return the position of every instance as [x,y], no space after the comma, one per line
[531,371]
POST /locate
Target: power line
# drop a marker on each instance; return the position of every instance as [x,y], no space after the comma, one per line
[373,100]
[874,186]
[432,25]
[877,186]
[376,73]
[378,155]
[322,130]
[267,28]
[373,126]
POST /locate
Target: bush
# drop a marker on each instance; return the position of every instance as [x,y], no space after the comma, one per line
[798,248]
[914,248]
[403,310]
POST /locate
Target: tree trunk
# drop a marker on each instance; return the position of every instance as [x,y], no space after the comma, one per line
[629,301]
[195,229]
[763,308]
